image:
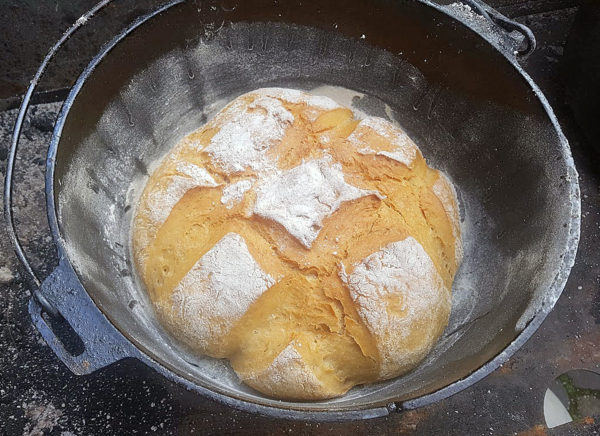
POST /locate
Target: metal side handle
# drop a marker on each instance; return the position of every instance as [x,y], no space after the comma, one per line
[102,343]
[505,24]
[60,307]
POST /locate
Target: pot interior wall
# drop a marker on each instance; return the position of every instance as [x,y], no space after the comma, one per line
[470,111]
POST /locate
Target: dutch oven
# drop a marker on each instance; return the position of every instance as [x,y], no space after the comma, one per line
[449,75]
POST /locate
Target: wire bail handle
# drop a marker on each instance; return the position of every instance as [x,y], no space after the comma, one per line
[14,146]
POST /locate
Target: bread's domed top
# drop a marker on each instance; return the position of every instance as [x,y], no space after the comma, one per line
[313,250]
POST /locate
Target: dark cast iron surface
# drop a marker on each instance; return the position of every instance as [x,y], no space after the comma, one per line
[38,395]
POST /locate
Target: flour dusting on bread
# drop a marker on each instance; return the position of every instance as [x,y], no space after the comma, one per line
[234,193]
[162,201]
[300,198]
[445,192]
[286,373]
[218,289]
[404,150]
[247,134]
[397,289]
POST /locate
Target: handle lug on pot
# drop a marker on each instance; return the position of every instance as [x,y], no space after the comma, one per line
[102,343]
[505,24]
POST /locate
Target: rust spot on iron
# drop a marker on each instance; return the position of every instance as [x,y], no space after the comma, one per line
[581,349]
[505,369]
[538,430]
[410,420]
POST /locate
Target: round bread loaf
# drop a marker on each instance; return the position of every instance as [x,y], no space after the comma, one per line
[313,250]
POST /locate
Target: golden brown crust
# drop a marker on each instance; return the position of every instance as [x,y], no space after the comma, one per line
[308,335]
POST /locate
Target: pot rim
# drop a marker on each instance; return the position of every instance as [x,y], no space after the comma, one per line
[554,290]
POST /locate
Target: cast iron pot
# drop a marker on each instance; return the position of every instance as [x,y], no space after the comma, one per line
[448,75]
